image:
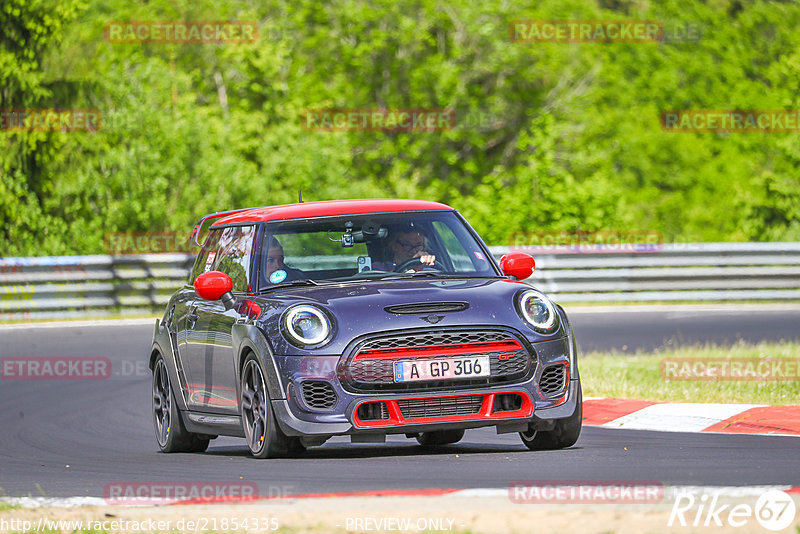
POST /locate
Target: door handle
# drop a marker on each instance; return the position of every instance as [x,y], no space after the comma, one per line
[192,317]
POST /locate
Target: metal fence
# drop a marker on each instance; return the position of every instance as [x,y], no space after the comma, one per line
[686,272]
[78,286]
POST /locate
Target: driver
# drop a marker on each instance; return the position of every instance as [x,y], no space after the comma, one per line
[274,269]
[407,243]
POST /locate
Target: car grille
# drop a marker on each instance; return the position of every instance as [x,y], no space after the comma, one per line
[318,394]
[377,375]
[438,407]
[435,338]
[552,381]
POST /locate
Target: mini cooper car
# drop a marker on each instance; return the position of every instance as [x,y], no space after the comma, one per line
[358,318]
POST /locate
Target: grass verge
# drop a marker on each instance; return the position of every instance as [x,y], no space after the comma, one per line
[640,376]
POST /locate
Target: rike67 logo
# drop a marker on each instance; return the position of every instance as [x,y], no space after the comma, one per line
[774,510]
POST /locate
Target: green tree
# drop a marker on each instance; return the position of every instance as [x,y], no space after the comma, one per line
[548,135]
[30,29]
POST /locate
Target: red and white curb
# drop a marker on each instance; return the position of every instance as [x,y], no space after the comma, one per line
[692,417]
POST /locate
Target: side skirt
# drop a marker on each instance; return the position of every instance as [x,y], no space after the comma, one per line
[213,424]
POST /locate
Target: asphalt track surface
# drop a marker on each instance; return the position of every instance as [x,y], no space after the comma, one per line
[71,438]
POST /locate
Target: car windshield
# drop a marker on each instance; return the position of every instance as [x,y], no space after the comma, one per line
[369,247]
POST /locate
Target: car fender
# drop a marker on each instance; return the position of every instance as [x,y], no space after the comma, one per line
[573,348]
[248,337]
[568,408]
[162,344]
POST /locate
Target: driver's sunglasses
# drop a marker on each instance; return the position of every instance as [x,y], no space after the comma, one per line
[411,247]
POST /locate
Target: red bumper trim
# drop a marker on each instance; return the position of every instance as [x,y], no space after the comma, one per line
[439,350]
[484,414]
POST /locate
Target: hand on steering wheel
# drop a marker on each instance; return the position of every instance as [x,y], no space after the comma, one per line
[404,267]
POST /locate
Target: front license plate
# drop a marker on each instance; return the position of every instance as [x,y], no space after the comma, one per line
[441,368]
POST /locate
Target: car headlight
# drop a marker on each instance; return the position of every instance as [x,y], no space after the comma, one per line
[305,325]
[538,311]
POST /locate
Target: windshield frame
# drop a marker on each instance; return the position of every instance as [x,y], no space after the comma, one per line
[265,227]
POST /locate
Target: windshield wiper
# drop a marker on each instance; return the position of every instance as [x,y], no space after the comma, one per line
[293,283]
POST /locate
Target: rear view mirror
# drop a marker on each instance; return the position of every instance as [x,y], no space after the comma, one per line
[370,230]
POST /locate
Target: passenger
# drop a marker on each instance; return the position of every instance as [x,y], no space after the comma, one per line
[274,269]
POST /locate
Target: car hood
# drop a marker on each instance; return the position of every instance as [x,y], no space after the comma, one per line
[360,308]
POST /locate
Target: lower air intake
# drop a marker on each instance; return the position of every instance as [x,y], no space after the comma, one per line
[552,381]
[318,394]
[373,411]
[438,407]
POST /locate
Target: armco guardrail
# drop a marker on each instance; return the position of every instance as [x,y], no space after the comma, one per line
[76,286]
[65,286]
[686,271]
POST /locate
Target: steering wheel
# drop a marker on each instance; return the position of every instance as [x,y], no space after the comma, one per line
[403,267]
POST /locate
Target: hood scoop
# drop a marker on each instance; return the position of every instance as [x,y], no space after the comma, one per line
[427,307]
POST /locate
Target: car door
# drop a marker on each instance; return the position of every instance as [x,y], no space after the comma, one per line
[177,325]
[210,359]
[184,317]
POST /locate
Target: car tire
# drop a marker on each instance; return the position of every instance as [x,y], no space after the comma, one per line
[565,433]
[171,434]
[264,438]
[435,438]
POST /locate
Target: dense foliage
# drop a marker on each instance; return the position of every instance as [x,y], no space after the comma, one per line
[549,135]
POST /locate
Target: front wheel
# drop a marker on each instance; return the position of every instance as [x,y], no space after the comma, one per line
[565,433]
[264,438]
[171,435]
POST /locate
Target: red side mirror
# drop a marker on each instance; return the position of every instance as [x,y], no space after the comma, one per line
[212,285]
[518,265]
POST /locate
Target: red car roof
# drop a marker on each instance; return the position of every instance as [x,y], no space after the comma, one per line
[328,207]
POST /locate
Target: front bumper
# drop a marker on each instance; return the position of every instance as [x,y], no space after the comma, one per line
[296,418]
[291,425]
